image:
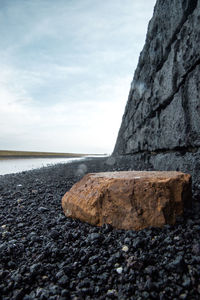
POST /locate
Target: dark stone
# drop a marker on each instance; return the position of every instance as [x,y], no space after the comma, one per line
[42,209]
[35,268]
[94,237]
[65,293]
[196,249]
[161,122]
[60,274]
[63,281]
[106,228]
[54,234]
[177,265]
[137,243]
[186,283]
[150,270]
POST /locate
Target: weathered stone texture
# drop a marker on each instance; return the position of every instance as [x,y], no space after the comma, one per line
[163,109]
[130,199]
[162,115]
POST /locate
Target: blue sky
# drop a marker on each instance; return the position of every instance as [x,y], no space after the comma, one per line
[66,69]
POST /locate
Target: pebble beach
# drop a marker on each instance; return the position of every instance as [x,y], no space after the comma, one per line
[45,255]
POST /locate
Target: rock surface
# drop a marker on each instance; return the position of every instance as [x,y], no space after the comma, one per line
[162,115]
[128,199]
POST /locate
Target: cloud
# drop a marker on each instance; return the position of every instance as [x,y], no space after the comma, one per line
[66,71]
[63,125]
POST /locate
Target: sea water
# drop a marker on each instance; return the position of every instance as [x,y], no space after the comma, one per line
[9,166]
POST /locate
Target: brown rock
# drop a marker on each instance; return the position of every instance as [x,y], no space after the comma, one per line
[128,200]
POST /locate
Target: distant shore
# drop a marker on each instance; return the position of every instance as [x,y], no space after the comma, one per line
[5,154]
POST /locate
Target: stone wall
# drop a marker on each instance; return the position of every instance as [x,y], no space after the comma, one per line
[162,116]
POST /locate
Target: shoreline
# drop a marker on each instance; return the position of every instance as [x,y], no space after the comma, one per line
[39,156]
[34,154]
[19,165]
[23,164]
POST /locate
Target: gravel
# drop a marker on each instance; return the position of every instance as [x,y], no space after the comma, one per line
[45,255]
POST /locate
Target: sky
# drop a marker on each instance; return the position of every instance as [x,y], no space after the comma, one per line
[66,68]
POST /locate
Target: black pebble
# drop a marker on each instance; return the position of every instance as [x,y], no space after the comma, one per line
[45,255]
